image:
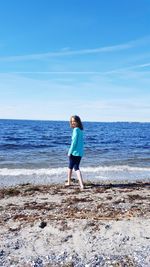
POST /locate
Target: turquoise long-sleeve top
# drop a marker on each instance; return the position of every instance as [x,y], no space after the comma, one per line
[76,148]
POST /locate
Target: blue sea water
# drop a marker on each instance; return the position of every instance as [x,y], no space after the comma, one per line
[36,151]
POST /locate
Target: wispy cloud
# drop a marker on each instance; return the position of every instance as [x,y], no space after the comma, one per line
[106,100]
[67,52]
[115,71]
[132,67]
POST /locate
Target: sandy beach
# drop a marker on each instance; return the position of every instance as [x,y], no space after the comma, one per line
[55,225]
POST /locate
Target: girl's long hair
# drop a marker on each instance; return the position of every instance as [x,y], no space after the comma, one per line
[78,121]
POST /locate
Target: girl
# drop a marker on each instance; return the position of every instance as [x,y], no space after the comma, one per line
[75,152]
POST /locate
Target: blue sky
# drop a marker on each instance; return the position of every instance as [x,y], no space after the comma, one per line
[64,57]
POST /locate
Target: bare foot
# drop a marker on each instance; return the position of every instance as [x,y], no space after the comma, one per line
[67,184]
[82,188]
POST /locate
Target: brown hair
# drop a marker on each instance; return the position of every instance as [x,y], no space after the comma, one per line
[78,121]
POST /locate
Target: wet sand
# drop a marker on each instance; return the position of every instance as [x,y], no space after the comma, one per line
[55,225]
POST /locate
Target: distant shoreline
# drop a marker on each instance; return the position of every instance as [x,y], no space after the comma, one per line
[52,120]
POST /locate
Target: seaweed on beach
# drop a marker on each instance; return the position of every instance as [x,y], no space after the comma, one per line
[12,191]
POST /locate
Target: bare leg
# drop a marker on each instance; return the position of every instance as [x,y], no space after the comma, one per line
[79,176]
[69,176]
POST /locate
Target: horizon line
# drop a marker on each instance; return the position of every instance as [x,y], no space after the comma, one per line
[115,121]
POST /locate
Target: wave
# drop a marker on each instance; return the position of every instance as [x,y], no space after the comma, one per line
[13,177]
[43,171]
[25,146]
[115,168]
[58,171]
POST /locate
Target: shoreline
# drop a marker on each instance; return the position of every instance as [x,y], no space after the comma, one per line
[9,181]
[96,174]
[55,225]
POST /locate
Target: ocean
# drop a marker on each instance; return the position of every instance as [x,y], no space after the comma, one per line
[36,151]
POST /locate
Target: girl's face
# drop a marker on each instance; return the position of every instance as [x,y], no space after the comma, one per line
[73,123]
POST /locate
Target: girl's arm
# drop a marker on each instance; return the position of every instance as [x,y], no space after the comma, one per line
[74,141]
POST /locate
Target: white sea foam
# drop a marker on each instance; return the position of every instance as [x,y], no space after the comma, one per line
[28,172]
[11,177]
[60,171]
[115,168]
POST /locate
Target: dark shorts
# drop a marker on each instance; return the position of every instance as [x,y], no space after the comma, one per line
[74,162]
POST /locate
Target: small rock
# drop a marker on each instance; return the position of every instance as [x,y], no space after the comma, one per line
[16,245]
[2,252]
[42,224]
[107,226]
[38,263]
[66,238]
